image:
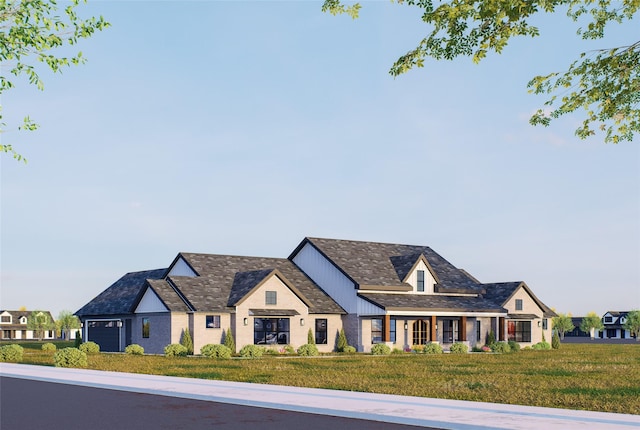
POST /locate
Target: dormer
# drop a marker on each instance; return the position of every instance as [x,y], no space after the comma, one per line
[608,318]
[421,277]
[23,320]
[6,318]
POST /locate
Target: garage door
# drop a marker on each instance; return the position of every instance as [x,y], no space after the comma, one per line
[106,334]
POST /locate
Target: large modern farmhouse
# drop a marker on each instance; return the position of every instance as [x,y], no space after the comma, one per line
[402,295]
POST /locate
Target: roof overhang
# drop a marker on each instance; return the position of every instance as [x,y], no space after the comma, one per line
[273,312]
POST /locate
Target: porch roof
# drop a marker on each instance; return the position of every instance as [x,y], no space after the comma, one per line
[431,302]
[273,312]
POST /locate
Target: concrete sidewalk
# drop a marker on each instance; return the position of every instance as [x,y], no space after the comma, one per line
[439,413]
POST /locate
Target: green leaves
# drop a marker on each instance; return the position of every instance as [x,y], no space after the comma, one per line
[30,32]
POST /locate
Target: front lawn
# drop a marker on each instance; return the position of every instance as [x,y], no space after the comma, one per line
[578,376]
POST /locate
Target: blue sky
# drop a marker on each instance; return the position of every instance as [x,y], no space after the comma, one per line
[242,127]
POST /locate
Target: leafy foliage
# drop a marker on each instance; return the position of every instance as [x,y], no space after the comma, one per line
[591,322]
[70,357]
[175,350]
[309,349]
[90,347]
[39,322]
[187,341]
[542,346]
[66,322]
[491,338]
[432,348]
[555,341]
[513,346]
[251,351]
[605,83]
[500,347]
[78,340]
[134,349]
[342,341]
[633,323]
[215,351]
[459,348]
[11,353]
[31,32]
[229,342]
[380,349]
[311,340]
[562,324]
[49,347]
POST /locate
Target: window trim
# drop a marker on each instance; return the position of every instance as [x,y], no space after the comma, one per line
[280,334]
[146,328]
[270,297]
[214,319]
[321,333]
[420,281]
[374,338]
[519,332]
[519,304]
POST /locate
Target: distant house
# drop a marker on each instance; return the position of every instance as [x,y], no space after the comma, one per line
[576,332]
[613,322]
[14,326]
[402,295]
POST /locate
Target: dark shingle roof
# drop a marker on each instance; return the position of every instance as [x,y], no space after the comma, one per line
[225,279]
[430,302]
[500,292]
[168,295]
[387,264]
[121,296]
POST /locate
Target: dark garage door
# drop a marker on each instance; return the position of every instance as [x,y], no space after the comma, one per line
[106,334]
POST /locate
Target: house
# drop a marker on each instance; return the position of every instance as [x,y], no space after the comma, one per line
[402,295]
[14,326]
[613,322]
[576,332]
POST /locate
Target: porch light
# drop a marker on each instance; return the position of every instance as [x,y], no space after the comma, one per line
[406,326]
[539,323]
[301,321]
[246,321]
[119,324]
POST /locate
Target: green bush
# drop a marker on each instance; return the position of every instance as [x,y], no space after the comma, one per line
[432,348]
[11,353]
[500,347]
[342,342]
[541,346]
[251,351]
[134,349]
[49,347]
[175,350]
[70,357]
[229,342]
[89,347]
[288,349]
[308,349]
[555,340]
[349,349]
[491,338]
[514,346]
[397,351]
[311,340]
[187,342]
[380,349]
[78,340]
[459,348]
[215,351]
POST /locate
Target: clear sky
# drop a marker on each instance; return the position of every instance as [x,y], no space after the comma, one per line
[242,127]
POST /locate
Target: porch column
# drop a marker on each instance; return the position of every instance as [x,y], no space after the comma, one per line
[501,328]
[386,332]
[434,332]
[462,331]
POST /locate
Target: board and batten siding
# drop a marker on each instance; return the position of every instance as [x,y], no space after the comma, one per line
[328,277]
[429,280]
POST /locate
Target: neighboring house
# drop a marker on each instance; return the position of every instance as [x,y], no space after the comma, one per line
[576,332]
[14,326]
[613,322]
[402,295]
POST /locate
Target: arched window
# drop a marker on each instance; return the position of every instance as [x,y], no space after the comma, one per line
[420,332]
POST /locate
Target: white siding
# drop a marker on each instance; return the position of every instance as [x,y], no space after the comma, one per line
[429,281]
[150,303]
[181,268]
[325,274]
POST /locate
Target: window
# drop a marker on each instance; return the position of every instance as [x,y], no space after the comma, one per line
[212,321]
[321,331]
[6,334]
[392,330]
[5,319]
[420,283]
[545,324]
[608,320]
[520,331]
[450,331]
[420,332]
[518,304]
[376,330]
[271,331]
[145,328]
[271,298]
[478,331]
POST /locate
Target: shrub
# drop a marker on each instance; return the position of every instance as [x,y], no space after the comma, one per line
[555,340]
[49,347]
[418,349]
[70,357]
[514,346]
[380,349]
[271,351]
[186,341]
[500,347]
[432,348]
[215,351]
[78,340]
[491,338]
[134,349]
[175,350]
[288,349]
[342,341]
[89,347]
[310,339]
[397,351]
[308,349]
[459,348]
[229,342]
[251,351]
[541,346]
[11,353]
[349,349]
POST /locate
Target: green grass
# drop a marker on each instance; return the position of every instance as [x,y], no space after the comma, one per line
[589,377]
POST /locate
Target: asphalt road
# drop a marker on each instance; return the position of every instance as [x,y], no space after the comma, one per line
[27,404]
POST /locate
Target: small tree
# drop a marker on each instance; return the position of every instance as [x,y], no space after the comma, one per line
[66,322]
[39,322]
[342,341]
[555,340]
[310,339]
[186,341]
[78,340]
[491,338]
[229,342]
[591,323]
[562,324]
[633,323]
